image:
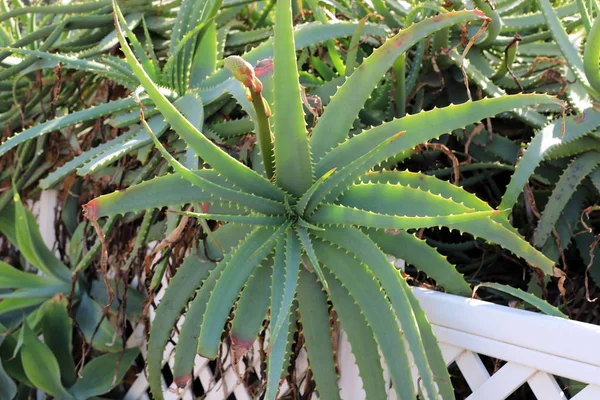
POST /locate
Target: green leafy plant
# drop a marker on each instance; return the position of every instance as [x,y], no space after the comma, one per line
[316,226]
[198,39]
[51,304]
[48,364]
[538,48]
[46,55]
[568,145]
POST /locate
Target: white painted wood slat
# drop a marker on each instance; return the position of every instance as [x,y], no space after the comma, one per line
[544,387]
[473,369]
[558,366]
[503,383]
[529,330]
[589,393]
[450,353]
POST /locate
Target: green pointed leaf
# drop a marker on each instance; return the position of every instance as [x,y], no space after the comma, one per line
[7,222]
[41,366]
[568,226]
[78,64]
[32,246]
[8,305]
[357,278]
[337,119]
[187,342]
[101,337]
[284,282]
[8,388]
[68,120]
[529,298]
[246,218]
[11,362]
[237,173]
[432,348]
[280,349]
[205,56]
[379,208]
[581,167]
[434,185]
[57,329]
[174,190]
[548,138]
[235,273]
[181,289]
[12,278]
[310,252]
[331,214]
[251,310]
[292,156]
[591,56]
[413,250]
[314,316]
[46,291]
[278,280]
[506,64]
[360,337]
[494,26]
[98,376]
[396,288]
[573,148]
[354,45]
[437,122]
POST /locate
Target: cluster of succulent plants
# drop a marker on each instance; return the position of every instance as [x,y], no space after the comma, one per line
[263,159]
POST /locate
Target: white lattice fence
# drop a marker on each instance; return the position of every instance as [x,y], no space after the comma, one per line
[535,348]
[215,389]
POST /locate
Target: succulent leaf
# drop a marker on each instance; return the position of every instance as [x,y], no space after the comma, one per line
[338,116]
[314,316]
[362,285]
[181,289]
[239,174]
[360,337]
[292,155]
[581,167]
[235,273]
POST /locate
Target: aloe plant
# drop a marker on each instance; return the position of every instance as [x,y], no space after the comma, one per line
[198,38]
[316,225]
[569,142]
[555,50]
[189,67]
[38,45]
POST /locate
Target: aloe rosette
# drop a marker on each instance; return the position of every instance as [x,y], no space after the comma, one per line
[317,225]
